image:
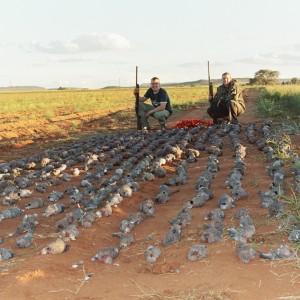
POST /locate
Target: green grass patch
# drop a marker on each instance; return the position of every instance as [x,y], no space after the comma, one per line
[280,102]
[53,103]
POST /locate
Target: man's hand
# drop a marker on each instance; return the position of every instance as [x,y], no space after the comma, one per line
[136,91]
[148,114]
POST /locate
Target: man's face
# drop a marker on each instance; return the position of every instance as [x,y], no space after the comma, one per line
[155,85]
[226,79]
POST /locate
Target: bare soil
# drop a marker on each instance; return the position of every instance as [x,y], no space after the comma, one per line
[221,275]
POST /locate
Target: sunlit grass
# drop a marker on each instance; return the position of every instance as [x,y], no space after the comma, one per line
[279,101]
[38,104]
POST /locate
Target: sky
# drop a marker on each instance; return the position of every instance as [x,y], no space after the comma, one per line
[96,43]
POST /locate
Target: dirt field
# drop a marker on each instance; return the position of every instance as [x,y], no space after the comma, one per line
[221,275]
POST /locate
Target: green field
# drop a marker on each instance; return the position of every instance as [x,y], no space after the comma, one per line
[281,101]
[52,103]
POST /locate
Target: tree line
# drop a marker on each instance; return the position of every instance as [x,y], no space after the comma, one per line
[269,77]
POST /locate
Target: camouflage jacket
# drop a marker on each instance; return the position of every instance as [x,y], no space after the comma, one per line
[225,94]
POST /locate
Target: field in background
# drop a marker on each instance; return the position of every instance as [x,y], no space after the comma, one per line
[281,101]
[53,103]
[51,115]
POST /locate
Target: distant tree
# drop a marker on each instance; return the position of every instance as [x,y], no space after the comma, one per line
[295,80]
[264,77]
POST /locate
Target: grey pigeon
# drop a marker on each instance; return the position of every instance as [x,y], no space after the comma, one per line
[28,224]
[226,202]
[70,233]
[55,196]
[24,241]
[5,254]
[41,187]
[241,212]
[12,212]
[25,193]
[199,200]
[197,252]
[294,236]
[136,217]
[125,239]
[162,197]
[239,193]
[35,203]
[282,252]
[75,198]
[173,236]
[152,254]
[54,209]
[266,199]
[215,214]
[106,255]
[213,233]
[126,226]
[276,208]
[147,207]
[246,230]
[245,252]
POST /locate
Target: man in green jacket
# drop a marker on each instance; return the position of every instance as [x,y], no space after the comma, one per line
[227,102]
[161,107]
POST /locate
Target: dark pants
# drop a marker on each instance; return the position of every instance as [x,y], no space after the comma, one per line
[232,109]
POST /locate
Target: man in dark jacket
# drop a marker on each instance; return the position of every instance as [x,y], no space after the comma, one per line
[227,102]
[161,107]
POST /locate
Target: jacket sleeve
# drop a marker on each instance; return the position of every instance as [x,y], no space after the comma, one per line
[232,92]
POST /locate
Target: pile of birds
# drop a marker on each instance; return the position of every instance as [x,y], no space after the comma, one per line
[110,168]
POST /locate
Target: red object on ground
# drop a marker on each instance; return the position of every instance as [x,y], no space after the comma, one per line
[193,123]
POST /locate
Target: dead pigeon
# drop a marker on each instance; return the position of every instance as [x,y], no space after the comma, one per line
[106,255]
[24,241]
[226,202]
[56,247]
[5,254]
[282,252]
[125,239]
[152,254]
[147,207]
[70,233]
[35,203]
[245,252]
[197,252]
[173,236]
[54,209]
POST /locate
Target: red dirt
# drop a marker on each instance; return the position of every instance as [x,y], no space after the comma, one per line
[220,276]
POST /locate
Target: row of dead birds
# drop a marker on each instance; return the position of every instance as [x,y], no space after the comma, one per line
[270,199]
[87,218]
[136,218]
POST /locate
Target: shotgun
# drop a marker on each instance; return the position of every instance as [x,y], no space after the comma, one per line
[137,96]
[210,86]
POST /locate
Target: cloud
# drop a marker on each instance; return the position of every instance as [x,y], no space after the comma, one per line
[296,47]
[271,59]
[70,59]
[198,65]
[91,42]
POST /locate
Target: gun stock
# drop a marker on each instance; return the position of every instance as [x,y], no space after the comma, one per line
[137,96]
[210,86]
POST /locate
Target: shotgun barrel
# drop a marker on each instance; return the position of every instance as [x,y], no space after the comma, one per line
[210,86]
[137,96]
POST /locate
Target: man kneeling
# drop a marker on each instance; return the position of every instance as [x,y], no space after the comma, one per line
[227,102]
[161,107]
